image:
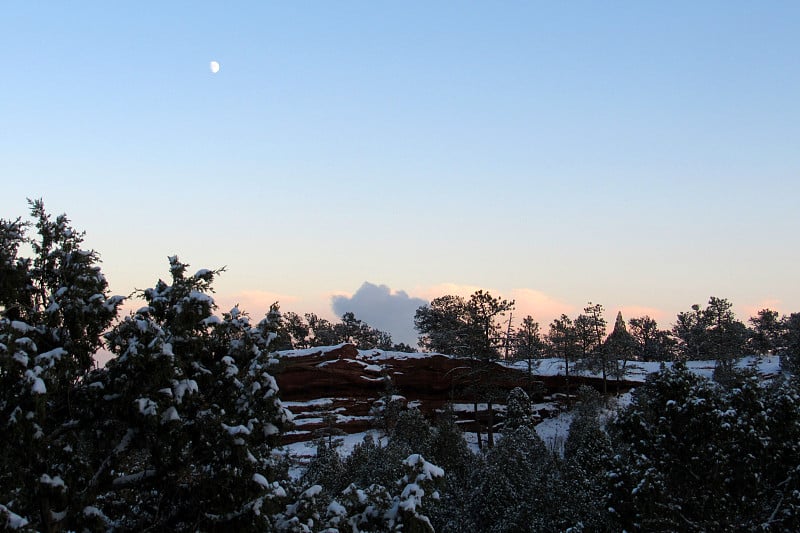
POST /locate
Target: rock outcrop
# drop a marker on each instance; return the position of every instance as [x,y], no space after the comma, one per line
[338,386]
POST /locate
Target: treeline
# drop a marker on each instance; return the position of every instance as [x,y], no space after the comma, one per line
[475,327]
[293,331]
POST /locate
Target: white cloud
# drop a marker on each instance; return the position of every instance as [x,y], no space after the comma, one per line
[382,308]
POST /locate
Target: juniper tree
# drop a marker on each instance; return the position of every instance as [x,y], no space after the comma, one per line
[54,307]
[692,455]
[190,414]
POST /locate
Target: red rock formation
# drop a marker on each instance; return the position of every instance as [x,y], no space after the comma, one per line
[353,381]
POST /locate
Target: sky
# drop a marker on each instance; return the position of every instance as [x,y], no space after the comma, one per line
[641,155]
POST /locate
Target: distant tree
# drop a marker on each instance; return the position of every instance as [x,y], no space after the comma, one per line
[712,333]
[298,330]
[484,312]
[274,323]
[321,331]
[620,347]
[528,344]
[294,332]
[349,329]
[769,331]
[455,326]
[590,328]
[444,326]
[563,343]
[403,347]
[653,344]
[469,328]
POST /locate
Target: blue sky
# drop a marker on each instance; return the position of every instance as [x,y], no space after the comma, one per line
[642,155]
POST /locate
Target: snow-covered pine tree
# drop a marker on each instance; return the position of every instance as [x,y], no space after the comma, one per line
[587,456]
[693,455]
[520,488]
[54,307]
[450,451]
[326,468]
[518,410]
[790,352]
[189,415]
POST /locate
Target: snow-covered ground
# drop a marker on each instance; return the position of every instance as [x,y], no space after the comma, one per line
[768,365]
[553,430]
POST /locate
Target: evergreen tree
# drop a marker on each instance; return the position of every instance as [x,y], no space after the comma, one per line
[790,354]
[369,464]
[563,343]
[444,326]
[620,347]
[411,434]
[587,455]
[468,328]
[768,332]
[297,329]
[450,451]
[190,414]
[712,333]
[695,456]
[54,307]
[321,331]
[528,344]
[518,410]
[590,328]
[653,344]
[326,469]
[520,488]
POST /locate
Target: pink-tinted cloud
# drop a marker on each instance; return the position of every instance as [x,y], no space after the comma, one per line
[746,311]
[256,303]
[541,306]
[635,311]
[538,304]
[442,289]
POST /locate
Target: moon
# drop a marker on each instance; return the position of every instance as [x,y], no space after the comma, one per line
[214,66]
